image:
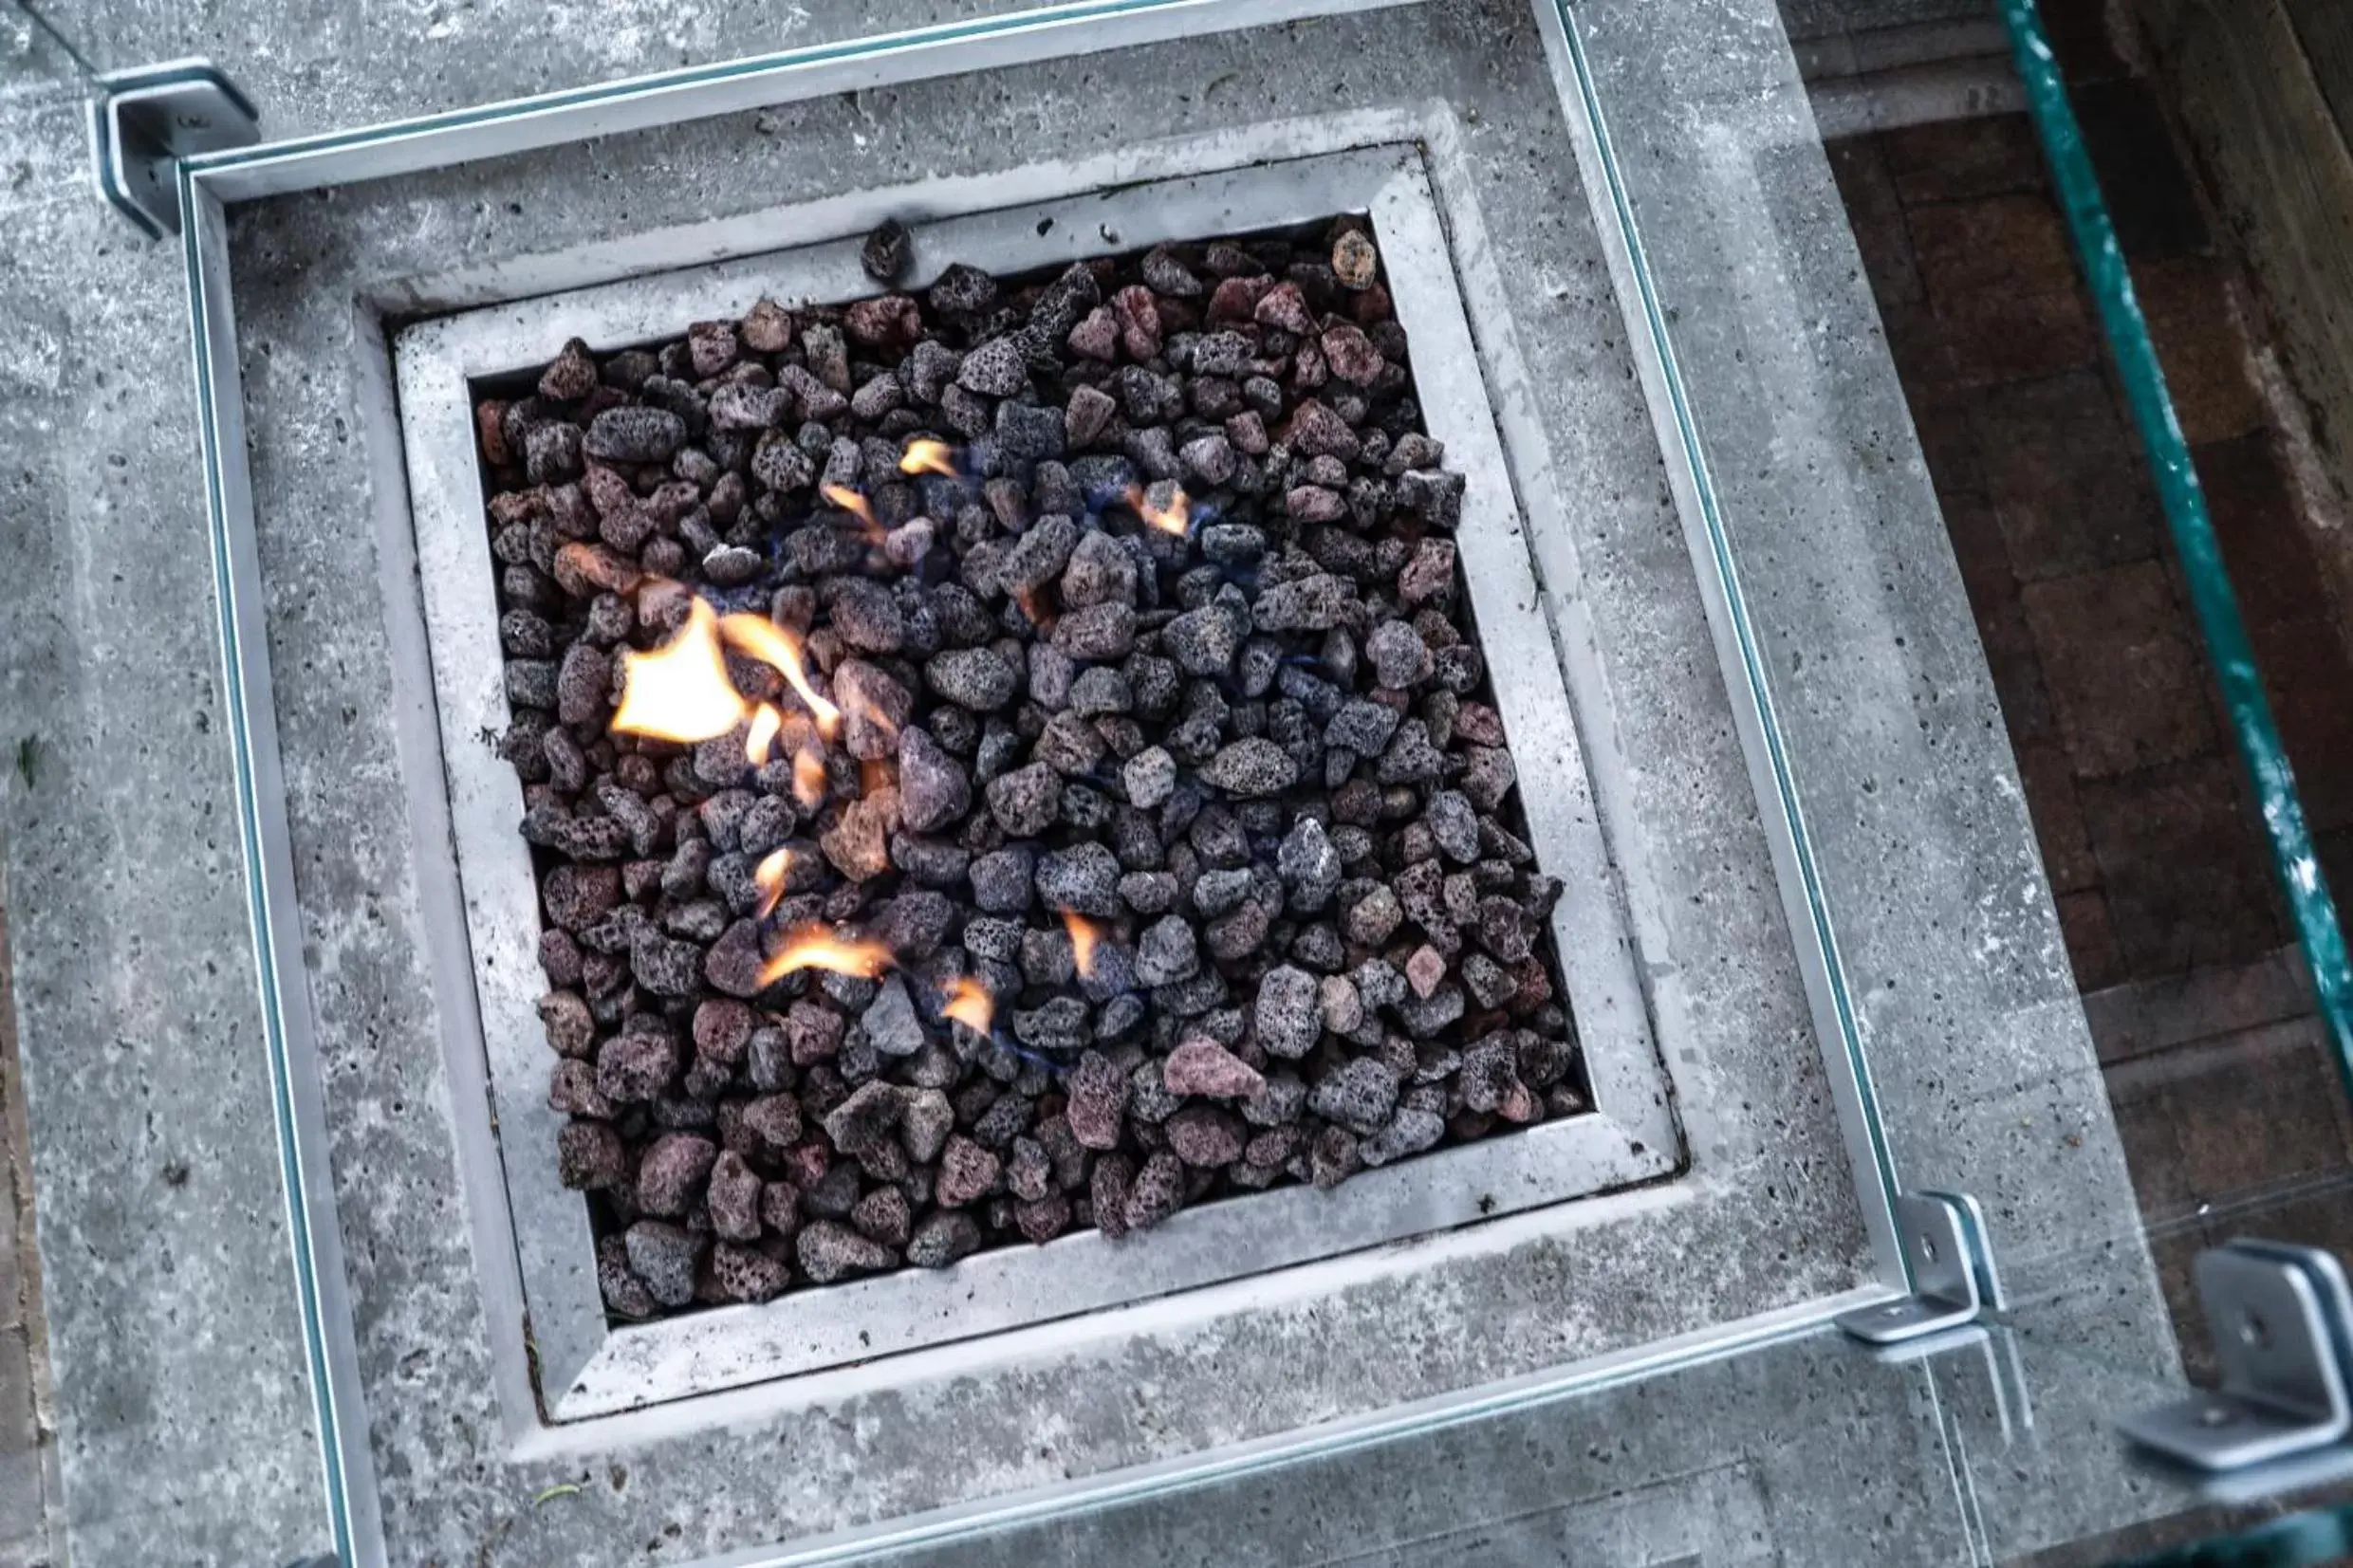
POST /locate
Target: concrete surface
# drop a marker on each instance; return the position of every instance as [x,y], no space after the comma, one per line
[1772,1186]
[182,1413]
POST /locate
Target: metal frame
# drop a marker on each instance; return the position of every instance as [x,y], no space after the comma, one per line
[210,183]
[1629,1138]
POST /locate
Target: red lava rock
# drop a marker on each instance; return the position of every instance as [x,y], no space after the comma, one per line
[1351,355]
[893,321]
[571,1029]
[1157,1191]
[1193,664]
[1201,1066]
[734,1198]
[673,1168]
[590,1156]
[1355,262]
[766,328]
[966,1171]
[1206,1136]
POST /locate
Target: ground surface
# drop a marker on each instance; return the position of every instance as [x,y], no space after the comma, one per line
[2232,1111]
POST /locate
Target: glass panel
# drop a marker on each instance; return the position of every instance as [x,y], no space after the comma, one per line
[2111,1045]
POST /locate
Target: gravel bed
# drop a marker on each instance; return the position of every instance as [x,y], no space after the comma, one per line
[1005,759]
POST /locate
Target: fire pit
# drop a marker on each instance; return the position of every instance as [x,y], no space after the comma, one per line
[1026,748]
[1088,650]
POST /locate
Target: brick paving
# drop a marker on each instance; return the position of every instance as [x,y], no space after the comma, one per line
[2233,1121]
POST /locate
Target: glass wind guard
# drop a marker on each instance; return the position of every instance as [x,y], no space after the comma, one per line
[1212,516]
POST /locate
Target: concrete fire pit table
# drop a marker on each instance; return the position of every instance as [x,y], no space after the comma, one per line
[1749,896]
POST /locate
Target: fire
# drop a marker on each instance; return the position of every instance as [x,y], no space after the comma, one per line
[1031,606]
[680,690]
[766,722]
[855,504]
[1174,517]
[772,645]
[818,947]
[808,779]
[1084,935]
[873,773]
[769,880]
[924,455]
[969,1004]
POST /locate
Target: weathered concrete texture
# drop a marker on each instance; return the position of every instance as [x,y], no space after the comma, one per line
[169,1312]
[1721,1465]
[1772,1188]
[183,1414]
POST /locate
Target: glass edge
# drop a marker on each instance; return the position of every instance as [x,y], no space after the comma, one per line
[259,916]
[1693,454]
[857,50]
[210,388]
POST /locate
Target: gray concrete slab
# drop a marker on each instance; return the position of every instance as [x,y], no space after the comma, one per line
[1771,1186]
[135,971]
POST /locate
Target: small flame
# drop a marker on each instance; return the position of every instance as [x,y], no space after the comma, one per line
[855,504]
[925,455]
[808,779]
[766,722]
[1174,518]
[772,645]
[680,692]
[969,1004]
[1084,935]
[769,880]
[873,773]
[818,947]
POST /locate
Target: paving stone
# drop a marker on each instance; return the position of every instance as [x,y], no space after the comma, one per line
[2195,327]
[2274,568]
[2017,242]
[2310,685]
[1877,216]
[2125,680]
[2182,867]
[2066,483]
[2091,941]
[2048,776]
[2147,189]
[1963,159]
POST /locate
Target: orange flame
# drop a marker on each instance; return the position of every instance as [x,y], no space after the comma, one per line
[1175,518]
[924,455]
[817,947]
[808,779]
[766,721]
[873,773]
[855,504]
[1032,607]
[969,1004]
[1084,935]
[680,690]
[769,880]
[772,645]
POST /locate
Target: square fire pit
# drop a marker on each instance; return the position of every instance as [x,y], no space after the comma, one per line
[1559,1095]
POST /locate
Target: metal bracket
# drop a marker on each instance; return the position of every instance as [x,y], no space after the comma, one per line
[2282,1320]
[149,117]
[1944,1239]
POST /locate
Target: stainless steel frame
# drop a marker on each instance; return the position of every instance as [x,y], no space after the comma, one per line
[211,183]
